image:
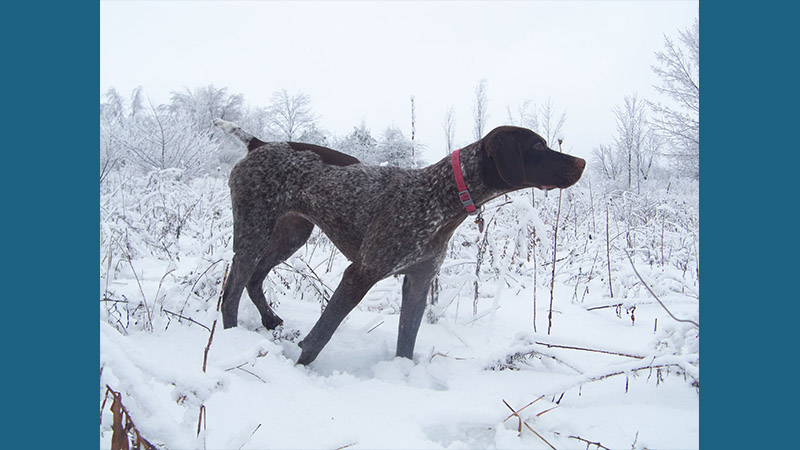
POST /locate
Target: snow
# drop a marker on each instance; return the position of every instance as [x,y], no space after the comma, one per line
[625,377]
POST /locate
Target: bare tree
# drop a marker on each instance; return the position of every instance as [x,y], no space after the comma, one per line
[632,129]
[549,123]
[678,67]
[394,149]
[290,114]
[151,137]
[606,161]
[526,115]
[206,103]
[449,127]
[413,133]
[479,109]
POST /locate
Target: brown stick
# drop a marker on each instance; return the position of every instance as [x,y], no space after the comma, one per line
[553,277]
[608,352]
[214,325]
[201,418]
[608,256]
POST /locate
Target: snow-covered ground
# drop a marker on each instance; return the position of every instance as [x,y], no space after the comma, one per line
[614,371]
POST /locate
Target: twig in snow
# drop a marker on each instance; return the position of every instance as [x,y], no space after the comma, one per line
[655,296]
[214,325]
[159,286]
[185,318]
[608,256]
[247,371]
[515,413]
[585,349]
[376,326]
[553,276]
[598,445]
[251,435]
[201,418]
[197,281]
[149,323]
[617,305]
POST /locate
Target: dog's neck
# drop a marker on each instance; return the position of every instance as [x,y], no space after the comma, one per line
[444,191]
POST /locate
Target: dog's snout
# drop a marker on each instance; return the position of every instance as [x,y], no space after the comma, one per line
[580,163]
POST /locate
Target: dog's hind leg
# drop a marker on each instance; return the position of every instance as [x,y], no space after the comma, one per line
[244,263]
[415,290]
[251,235]
[290,233]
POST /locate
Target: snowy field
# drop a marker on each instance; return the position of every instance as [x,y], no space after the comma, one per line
[612,372]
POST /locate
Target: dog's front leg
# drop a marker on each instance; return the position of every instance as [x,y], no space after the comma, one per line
[354,285]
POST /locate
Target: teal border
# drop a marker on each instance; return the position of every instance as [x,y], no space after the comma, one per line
[747,193]
[749,158]
[50,224]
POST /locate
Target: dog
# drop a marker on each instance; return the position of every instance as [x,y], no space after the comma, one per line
[385,220]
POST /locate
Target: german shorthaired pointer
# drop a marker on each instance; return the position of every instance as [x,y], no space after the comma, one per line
[385,220]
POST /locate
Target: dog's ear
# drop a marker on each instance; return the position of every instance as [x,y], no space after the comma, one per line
[505,149]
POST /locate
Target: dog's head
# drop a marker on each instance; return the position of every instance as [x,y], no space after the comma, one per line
[521,159]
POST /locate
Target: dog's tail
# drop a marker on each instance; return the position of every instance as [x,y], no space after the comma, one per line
[250,141]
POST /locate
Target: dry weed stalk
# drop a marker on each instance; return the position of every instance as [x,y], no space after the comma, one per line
[251,435]
[123,433]
[197,281]
[202,416]
[149,323]
[608,256]
[515,413]
[553,276]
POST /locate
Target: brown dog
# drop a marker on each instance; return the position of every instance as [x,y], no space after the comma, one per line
[385,220]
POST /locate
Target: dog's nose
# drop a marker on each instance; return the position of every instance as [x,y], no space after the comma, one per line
[580,162]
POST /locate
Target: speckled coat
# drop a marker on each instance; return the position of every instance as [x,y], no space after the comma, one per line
[384,220]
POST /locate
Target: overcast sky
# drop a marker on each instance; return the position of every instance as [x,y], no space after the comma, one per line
[364,60]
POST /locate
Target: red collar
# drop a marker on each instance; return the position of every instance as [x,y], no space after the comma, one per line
[463,193]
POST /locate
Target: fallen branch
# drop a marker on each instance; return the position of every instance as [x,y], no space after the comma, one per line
[662,362]
[608,352]
[655,296]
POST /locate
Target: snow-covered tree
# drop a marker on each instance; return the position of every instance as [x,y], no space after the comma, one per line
[549,123]
[206,103]
[480,109]
[394,148]
[544,119]
[139,134]
[678,67]
[360,144]
[449,127]
[290,115]
[632,156]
